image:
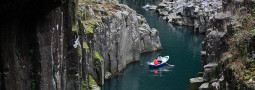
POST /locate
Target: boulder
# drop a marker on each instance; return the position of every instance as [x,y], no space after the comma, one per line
[107,75]
[210,71]
[204,86]
[195,82]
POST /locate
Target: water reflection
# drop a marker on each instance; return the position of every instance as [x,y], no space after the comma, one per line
[158,71]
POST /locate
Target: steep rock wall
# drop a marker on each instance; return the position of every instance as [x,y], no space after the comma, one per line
[227,52]
[25,63]
[57,48]
[119,36]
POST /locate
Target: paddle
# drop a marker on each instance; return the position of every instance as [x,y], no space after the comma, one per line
[169,64]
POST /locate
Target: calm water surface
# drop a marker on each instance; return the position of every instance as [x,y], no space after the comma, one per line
[179,42]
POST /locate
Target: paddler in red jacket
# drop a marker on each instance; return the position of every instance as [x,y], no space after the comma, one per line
[156,61]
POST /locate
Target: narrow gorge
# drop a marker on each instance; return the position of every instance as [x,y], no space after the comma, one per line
[107,44]
[69,44]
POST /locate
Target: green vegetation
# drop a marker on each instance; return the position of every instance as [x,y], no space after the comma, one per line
[32,84]
[98,56]
[79,51]
[213,78]
[252,32]
[96,62]
[237,28]
[54,74]
[89,29]
[240,41]
[33,81]
[200,74]
[85,46]
[251,60]
[107,73]
[84,85]
[88,21]
[92,82]
[242,7]
[90,25]
[80,12]
[253,12]
[238,87]
[241,47]
[87,15]
[74,28]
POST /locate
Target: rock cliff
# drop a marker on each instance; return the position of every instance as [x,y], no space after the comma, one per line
[117,33]
[70,44]
[228,49]
[197,13]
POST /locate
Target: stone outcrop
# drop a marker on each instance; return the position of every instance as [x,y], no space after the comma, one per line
[69,44]
[221,55]
[197,13]
[119,37]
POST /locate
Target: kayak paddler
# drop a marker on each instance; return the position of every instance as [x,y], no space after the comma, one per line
[156,61]
[159,59]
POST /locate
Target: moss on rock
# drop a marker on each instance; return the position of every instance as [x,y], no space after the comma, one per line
[89,29]
[79,51]
[74,28]
[98,56]
[84,85]
[93,84]
[85,46]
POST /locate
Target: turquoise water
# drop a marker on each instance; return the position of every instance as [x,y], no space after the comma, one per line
[179,42]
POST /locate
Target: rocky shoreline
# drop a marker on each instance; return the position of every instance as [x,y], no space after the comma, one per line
[228,26]
[194,13]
